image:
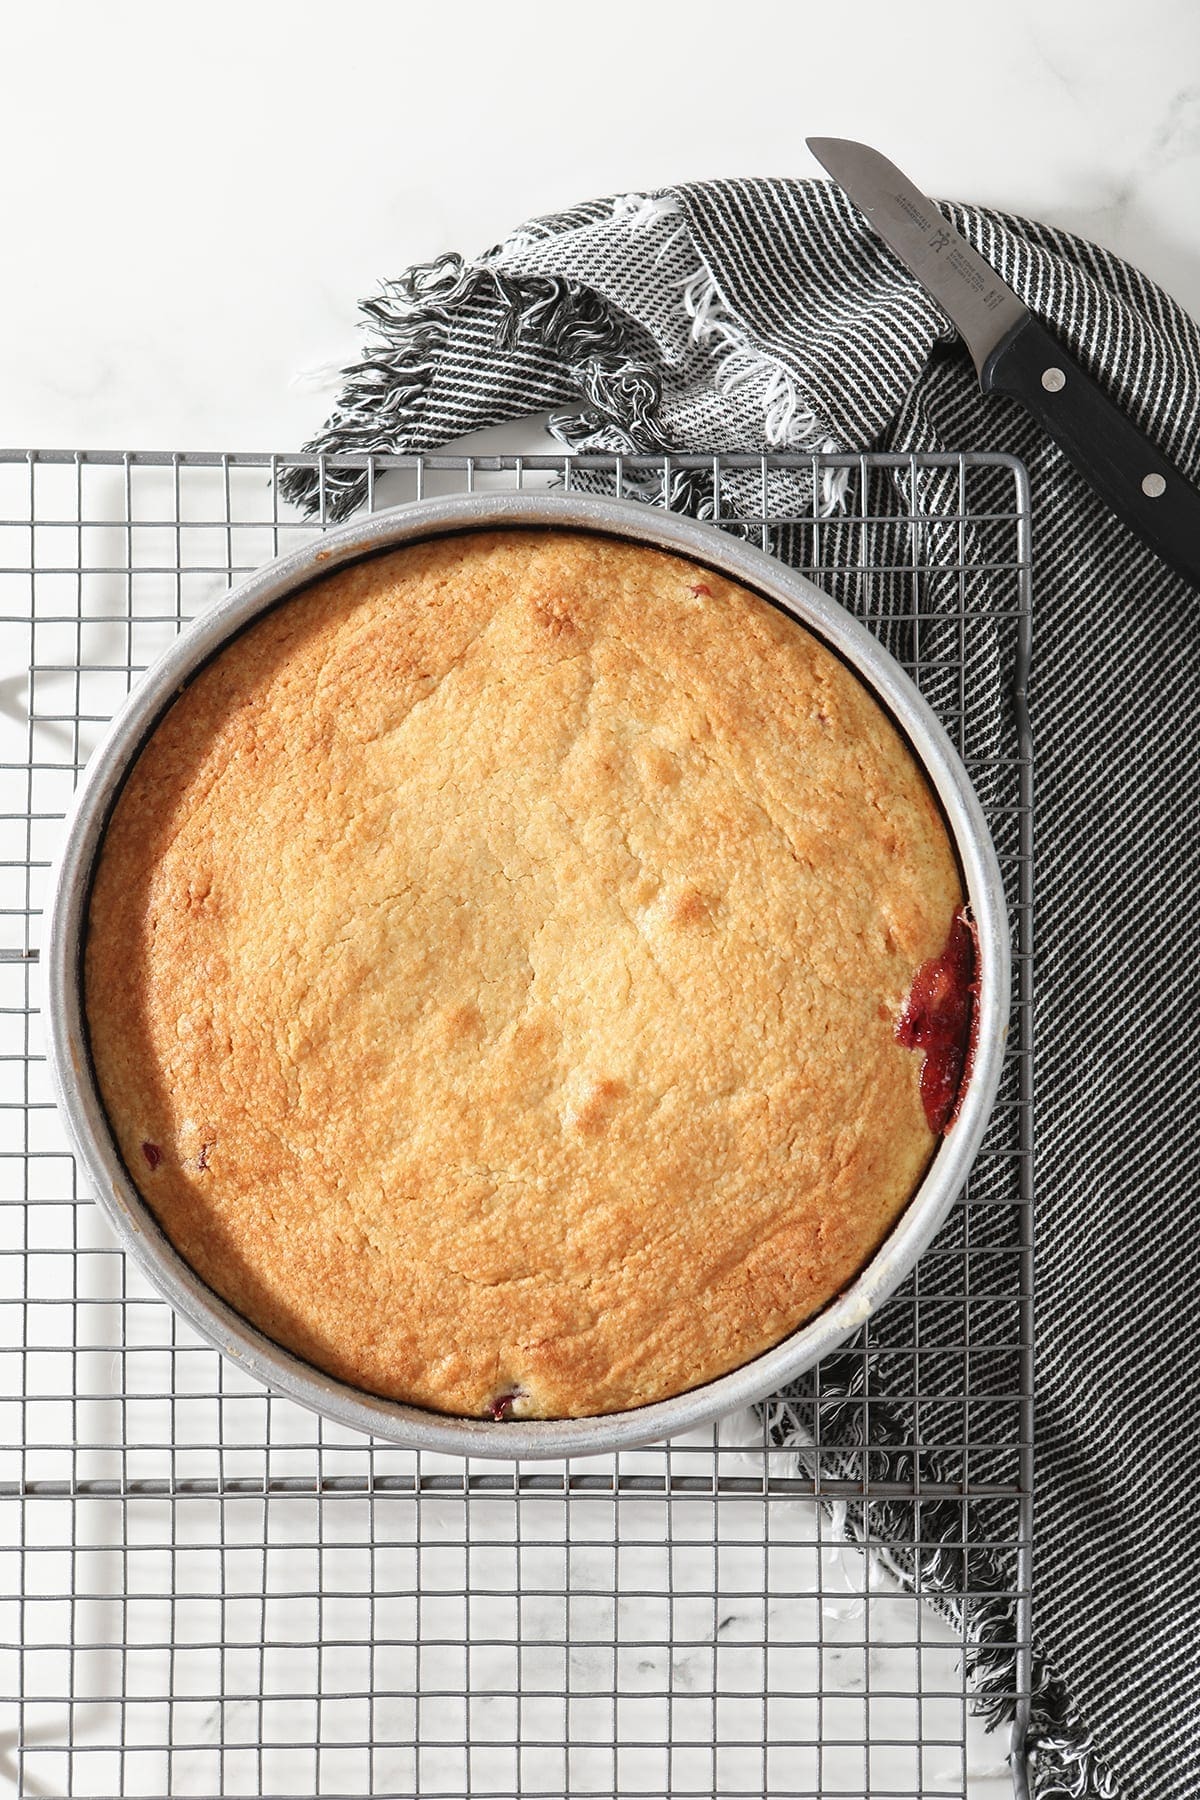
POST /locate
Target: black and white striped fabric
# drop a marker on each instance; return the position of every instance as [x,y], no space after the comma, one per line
[765,314]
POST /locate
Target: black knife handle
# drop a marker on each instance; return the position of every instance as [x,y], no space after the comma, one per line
[1137,481]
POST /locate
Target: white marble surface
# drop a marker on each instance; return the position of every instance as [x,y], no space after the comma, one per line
[193,198]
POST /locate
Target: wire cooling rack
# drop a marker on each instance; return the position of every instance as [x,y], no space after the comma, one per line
[208,1591]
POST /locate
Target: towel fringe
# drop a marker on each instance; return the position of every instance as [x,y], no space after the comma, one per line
[641,211]
[384,393]
[1063,1763]
[380,402]
[787,424]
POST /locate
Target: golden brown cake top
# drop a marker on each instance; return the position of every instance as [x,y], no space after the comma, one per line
[493,971]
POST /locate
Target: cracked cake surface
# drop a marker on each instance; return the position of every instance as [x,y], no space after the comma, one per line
[493,970]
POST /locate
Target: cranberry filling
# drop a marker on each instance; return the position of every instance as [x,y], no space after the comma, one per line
[698,588]
[501,1407]
[939,1018]
[152,1154]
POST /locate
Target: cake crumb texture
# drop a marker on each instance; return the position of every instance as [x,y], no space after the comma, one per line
[493,969]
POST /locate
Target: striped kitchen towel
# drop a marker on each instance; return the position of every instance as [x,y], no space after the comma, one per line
[750,315]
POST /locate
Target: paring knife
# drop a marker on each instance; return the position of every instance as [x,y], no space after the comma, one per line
[1014,354]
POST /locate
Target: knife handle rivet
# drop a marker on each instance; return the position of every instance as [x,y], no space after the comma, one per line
[1053,380]
[1153,486]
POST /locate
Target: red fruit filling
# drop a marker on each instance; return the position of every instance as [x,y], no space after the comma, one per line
[939,1017]
[152,1154]
[501,1407]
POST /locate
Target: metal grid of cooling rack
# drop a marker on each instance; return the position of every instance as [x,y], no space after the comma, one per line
[207,1591]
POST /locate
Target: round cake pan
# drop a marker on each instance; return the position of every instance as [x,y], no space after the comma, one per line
[84,1113]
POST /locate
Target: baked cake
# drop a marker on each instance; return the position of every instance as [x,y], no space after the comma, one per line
[497,973]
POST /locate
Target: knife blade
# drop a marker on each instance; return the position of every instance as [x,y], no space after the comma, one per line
[1014,354]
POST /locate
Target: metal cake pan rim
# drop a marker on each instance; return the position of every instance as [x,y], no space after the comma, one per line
[70,1063]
